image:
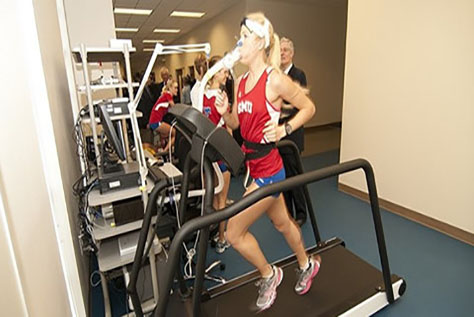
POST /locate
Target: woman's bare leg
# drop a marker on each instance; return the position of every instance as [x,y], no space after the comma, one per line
[242,240]
[282,221]
[164,130]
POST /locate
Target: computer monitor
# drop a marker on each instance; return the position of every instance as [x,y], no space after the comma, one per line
[110,131]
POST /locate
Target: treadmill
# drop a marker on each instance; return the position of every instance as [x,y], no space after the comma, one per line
[346,285]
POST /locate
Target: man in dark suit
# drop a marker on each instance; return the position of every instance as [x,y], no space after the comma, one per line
[165,75]
[295,199]
[145,106]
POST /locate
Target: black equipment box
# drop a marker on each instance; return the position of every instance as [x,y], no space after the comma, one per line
[128,210]
[119,176]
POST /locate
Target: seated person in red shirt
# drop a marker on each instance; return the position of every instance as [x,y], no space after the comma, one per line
[170,89]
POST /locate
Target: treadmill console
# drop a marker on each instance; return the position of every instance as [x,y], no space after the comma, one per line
[220,144]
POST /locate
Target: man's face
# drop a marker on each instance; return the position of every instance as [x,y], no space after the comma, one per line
[286,54]
[165,76]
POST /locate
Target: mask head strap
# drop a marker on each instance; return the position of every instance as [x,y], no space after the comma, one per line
[261,31]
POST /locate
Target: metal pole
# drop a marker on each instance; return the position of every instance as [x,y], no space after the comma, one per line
[374,203]
[85,70]
[139,253]
[203,238]
[183,202]
[126,54]
[105,291]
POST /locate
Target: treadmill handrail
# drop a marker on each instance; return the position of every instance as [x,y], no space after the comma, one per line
[260,193]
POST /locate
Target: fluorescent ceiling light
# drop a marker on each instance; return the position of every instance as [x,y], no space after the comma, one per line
[148,49]
[153,41]
[187,14]
[126,29]
[132,11]
[166,30]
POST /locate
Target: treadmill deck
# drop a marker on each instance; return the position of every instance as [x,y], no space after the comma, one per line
[344,280]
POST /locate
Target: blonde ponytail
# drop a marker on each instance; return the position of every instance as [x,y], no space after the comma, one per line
[274,53]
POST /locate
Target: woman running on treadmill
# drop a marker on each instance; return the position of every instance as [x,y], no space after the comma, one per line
[170,89]
[259,96]
[209,109]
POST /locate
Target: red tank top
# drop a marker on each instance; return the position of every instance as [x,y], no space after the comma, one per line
[254,110]
[160,108]
[209,107]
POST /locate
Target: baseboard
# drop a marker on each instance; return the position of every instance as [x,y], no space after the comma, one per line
[427,221]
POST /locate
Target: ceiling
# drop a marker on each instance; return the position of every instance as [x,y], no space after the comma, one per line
[160,18]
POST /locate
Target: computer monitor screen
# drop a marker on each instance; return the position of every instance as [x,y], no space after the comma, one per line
[110,132]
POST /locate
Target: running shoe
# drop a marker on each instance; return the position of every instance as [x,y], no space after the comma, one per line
[305,277]
[267,289]
[221,246]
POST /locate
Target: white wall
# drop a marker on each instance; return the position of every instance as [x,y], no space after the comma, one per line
[90,22]
[11,292]
[54,46]
[35,207]
[317,29]
[409,104]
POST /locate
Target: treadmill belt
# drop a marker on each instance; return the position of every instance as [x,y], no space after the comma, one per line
[343,281]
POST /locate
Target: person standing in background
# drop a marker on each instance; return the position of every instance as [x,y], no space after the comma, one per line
[186,92]
[200,64]
[165,75]
[294,198]
[145,106]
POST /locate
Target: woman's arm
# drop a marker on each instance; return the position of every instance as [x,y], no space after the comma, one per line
[222,106]
[281,86]
[170,99]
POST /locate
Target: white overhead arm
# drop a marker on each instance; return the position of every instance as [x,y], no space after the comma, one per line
[227,62]
[133,104]
[160,49]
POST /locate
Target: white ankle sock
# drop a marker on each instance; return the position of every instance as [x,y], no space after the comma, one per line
[271,275]
[305,267]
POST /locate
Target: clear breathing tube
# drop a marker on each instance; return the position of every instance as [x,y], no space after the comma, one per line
[227,62]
